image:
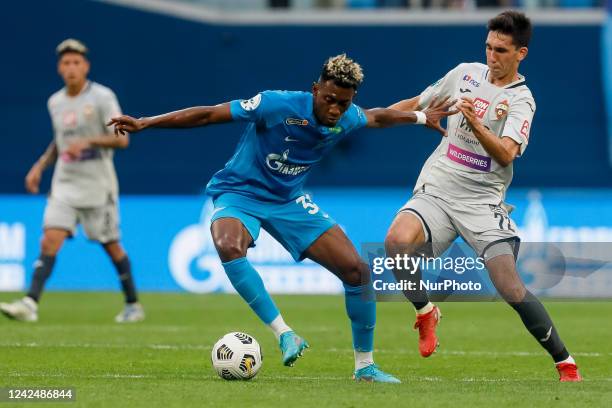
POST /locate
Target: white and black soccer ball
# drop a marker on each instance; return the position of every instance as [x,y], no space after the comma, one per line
[237,356]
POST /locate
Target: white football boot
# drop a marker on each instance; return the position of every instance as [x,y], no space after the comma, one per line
[24,310]
[133,312]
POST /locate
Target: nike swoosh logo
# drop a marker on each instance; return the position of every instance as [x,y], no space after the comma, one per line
[530,107]
[216,210]
[466,90]
[547,335]
[289,139]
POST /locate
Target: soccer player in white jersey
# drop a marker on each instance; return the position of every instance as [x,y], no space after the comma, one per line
[462,186]
[84,189]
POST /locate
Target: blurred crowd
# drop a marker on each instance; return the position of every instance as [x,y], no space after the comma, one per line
[380,4]
[448,4]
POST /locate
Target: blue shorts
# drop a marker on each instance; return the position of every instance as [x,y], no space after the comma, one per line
[295,224]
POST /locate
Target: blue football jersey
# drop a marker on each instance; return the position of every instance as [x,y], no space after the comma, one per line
[279,146]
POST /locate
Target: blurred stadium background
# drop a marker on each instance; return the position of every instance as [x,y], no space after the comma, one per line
[162,55]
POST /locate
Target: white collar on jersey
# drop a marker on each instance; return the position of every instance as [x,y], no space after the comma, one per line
[81,92]
[520,81]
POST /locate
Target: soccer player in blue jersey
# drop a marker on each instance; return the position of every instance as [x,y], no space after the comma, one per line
[261,186]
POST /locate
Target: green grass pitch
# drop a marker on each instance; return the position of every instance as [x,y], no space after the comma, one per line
[486,357]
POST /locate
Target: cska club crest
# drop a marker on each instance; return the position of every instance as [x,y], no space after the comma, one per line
[501,109]
[88,110]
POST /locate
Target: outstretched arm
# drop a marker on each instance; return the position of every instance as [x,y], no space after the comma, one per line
[430,116]
[407,105]
[185,118]
[385,117]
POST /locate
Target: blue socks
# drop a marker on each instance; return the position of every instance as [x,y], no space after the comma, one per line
[359,300]
[361,309]
[249,285]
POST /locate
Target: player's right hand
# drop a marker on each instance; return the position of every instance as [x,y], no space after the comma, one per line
[32,180]
[437,110]
[125,123]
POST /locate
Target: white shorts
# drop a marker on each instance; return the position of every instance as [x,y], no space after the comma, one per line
[482,226]
[100,223]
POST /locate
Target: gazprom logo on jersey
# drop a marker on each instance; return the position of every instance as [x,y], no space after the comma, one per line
[195,266]
[280,164]
[468,78]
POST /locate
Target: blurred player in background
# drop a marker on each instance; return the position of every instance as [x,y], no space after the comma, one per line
[462,187]
[84,189]
[262,186]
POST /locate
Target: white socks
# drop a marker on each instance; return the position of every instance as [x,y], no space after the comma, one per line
[570,360]
[363,359]
[278,326]
[425,309]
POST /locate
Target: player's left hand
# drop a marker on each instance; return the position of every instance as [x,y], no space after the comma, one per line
[75,149]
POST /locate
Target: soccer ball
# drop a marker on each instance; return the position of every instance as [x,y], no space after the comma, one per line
[236,356]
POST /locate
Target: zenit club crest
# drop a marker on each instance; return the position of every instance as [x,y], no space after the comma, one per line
[501,109]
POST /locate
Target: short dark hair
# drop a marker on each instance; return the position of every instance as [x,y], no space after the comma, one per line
[343,71]
[512,23]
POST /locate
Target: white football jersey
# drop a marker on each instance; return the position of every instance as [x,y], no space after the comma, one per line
[89,180]
[460,168]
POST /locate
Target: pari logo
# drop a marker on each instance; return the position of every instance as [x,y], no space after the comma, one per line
[12,255]
[280,164]
[195,266]
[468,78]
